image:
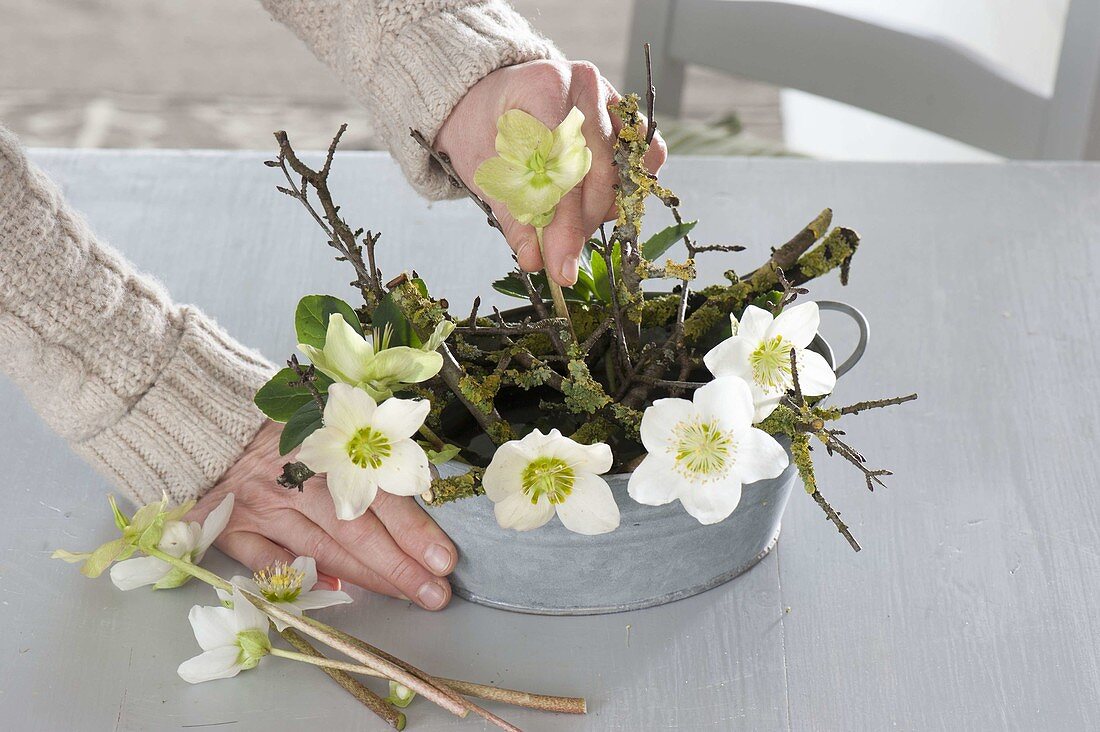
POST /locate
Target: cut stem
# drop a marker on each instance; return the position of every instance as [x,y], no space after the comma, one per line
[560,308]
[542,702]
[308,654]
[364,695]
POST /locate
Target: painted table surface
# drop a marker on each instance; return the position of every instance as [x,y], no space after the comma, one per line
[974,604]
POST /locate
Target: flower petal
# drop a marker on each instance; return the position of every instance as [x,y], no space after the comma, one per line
[308,567]
[655,481]
[405,472]
[797,324]
[595,458]
[659,422]
[353,490]
[517,512]
[346,351]
[519,136]
[214,525]
[731,357]
[590,508]
[759,457]
[726,400]
[321,598]
[325,450]
[245,583]
[247,616]
[399,419]
[814,375]
[130,574]
[213,626]
[503,476]
[403,365]
[217,663]
[502,180]
[754,323]
[710,503]
[764,404]
[570,158]
[348,408]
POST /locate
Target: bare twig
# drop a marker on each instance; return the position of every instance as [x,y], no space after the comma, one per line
[876,404]
[833,516]
[444,162]
[650,98]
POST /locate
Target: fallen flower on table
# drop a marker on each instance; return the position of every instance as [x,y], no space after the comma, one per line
[290,586]
[187,541]
[364,446]
[530,480]
[236,637]
[702,451]
[232,640]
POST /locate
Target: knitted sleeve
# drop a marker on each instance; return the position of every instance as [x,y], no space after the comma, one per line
[153,394]
[409,62]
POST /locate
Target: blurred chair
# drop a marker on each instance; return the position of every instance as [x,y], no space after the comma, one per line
[905,74]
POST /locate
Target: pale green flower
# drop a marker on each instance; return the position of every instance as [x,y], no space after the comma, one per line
[535,166]
[369,363]
[187,541]
[143,531]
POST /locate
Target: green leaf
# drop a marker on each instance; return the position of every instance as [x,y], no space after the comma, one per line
[660,242]
[388,314]
[601,283]
[510,285]
[312,314]
[438,457]
[301,425]
[279,400]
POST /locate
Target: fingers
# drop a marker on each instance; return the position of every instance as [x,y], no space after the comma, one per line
[366,542]
[305,538]
[415,532]
[564,238]
[521,238]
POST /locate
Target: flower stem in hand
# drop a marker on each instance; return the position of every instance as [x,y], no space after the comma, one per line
[560,308]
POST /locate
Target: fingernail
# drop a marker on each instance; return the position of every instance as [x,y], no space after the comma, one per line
[569,270]
[431,595]
[438,558]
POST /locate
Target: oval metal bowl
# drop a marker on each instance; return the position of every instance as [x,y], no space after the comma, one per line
[657,555]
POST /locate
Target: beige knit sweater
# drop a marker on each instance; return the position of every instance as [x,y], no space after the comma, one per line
[154,394]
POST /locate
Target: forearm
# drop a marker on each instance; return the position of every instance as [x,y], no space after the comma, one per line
[151,393]
[410,62]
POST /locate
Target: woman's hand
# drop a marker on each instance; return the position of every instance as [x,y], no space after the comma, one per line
[394,548]
[546,90]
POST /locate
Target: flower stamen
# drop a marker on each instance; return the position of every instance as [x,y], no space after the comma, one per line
[771,363]
[368,448]
[703,450]
[280,582]
[548,476]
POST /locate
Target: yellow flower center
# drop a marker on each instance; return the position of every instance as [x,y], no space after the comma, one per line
[703,450]
[771,363]
[548,476]
[280,582]
[368,448]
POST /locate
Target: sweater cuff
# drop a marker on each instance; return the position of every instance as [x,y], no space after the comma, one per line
[192,423]
[426,69]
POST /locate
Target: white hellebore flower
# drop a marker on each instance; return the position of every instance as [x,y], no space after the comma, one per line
[365,446]
[760,353]
[702,451]
[290,586]
[185,540]
[530,479]
[232,640]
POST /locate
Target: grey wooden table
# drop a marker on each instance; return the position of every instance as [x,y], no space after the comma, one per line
[973,606]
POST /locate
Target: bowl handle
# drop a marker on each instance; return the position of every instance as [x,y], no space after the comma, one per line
[861,323]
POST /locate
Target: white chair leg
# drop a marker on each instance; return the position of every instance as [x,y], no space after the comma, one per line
[652,24]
